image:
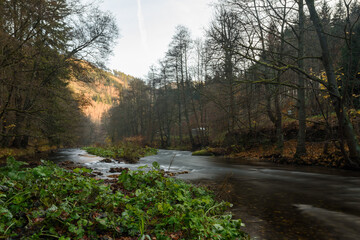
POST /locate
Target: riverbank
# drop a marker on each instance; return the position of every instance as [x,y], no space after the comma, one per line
[48,201]
[318,154]
[323,147]
[125,151]
[264,195]
[31,154]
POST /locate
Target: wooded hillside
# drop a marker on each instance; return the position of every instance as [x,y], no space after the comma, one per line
[98,91]
[39,41]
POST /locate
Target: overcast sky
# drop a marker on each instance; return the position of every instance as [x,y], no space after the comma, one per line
[147,26]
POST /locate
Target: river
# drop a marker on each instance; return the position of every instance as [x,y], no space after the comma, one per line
[274,201]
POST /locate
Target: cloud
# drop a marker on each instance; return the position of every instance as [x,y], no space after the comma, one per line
[143,34]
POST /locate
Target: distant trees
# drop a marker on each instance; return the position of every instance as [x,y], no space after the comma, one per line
[39,40]
[261,62]
[178,54]
[224,38]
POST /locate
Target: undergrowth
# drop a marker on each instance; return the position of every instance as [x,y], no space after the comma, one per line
[202,152]
[48,202]
[128,151]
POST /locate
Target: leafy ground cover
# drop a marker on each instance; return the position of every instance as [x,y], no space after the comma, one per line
[129,152]
[48,202]
[202,152]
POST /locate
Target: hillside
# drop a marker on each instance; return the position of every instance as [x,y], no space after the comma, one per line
[97,91]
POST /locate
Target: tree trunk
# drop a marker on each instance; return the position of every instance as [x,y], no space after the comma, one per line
[179,103]
[276,118]
[278,122]
[345,126]
[186,113]
[301,147]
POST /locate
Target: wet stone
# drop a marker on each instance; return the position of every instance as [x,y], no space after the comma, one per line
[71,167]
[114,176]
[118,170]
[172,174]
[106,160]
[66,163]
[106,238]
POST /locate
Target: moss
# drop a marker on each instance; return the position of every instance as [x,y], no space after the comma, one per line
[202,152]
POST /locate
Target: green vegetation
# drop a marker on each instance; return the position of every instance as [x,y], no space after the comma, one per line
[202,152]
[50,202]
[128,151]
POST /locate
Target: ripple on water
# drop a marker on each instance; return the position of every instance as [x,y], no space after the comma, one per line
[346,224]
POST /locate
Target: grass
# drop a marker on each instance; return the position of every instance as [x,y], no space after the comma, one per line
[48,202]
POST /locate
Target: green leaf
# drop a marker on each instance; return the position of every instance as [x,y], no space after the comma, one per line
[156,165]
[218,227]
[138,192]
[103,221]
[143,167]
[6,213]
[42,171]
[82,170]
[76,230]
[53,208]
[64,238]
[13,164]
[18,199]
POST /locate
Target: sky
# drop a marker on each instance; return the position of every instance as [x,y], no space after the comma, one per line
[146,29]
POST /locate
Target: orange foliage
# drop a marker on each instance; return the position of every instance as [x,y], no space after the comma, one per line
[315,154]
[137,140]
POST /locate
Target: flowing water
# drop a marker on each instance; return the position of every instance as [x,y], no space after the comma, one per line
[274,202]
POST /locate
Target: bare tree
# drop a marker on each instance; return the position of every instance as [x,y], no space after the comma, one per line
[345,126]
[224,36]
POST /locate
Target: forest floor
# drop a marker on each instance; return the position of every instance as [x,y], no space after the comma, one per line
[315,154]
[322,144]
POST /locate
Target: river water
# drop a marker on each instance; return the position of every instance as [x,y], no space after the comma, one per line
[274,201]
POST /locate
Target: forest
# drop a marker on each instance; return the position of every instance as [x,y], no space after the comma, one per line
[271,73]
[271,86]
[274,77]
[42,44]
